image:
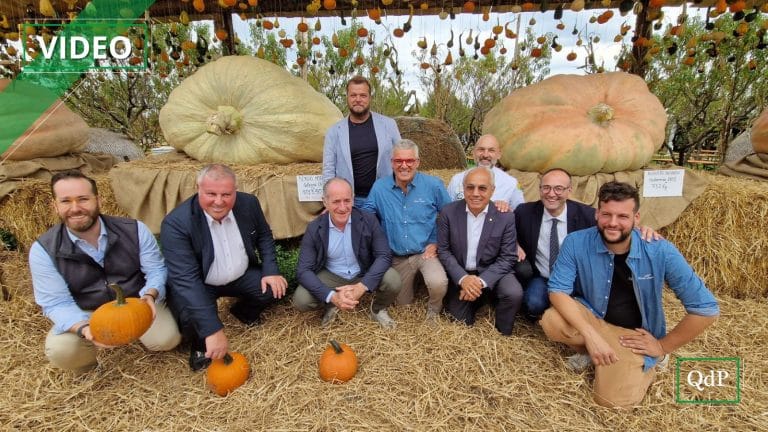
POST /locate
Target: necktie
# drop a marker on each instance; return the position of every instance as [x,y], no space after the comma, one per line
[554,245]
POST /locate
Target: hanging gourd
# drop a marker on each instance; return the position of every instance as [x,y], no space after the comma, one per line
[302,27]
[329,4]
[528,6]
[338,363]
[374,14]
[468,7]
[656,4]
[199,5]
[121,321]
[225,375]
[448,59]
[584,124]
[407,25]
[577,5]
[362,32]
[242,110]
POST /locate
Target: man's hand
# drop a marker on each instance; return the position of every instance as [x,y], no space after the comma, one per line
[648,234]
[471,288]
[599,350]
[520,254]
[502,206]
[216,345]
[151,302]
[643,343]
[89,336]
[277,283]
[344,300]
[430,251]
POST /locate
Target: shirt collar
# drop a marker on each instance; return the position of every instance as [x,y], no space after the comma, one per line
[482,213]
[211,220]
[332,226]
[562,217]
[411,184]
[102,232]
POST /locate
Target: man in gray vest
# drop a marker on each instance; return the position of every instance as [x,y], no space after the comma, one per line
[73,262]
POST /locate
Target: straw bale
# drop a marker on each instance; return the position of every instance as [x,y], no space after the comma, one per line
[439,147]
[418,377]
[722,235]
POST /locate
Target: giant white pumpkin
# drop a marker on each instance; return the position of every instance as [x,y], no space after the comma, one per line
[584,124]
[760,133]
[245,110]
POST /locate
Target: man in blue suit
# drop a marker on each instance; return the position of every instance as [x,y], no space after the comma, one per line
[209,242]
[344,255]
[358,148]
[476,245]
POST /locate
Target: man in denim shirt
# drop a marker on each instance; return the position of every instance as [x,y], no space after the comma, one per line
[408,202]
[605,291]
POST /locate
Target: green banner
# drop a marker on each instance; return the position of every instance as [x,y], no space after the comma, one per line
[32,92]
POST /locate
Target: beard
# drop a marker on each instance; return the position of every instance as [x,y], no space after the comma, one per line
[359,111]
[82,225]
[622,236]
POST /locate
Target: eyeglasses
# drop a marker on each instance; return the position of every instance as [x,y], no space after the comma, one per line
[408,162]
[558,190]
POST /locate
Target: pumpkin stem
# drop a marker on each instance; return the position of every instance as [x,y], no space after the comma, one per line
[226,120]
[336,346]
[119,293]
[228,359]
[601,113]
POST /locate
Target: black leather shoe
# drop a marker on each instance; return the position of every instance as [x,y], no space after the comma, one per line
[198,360]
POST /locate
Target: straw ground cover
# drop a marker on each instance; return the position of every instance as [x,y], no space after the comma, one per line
[418,377]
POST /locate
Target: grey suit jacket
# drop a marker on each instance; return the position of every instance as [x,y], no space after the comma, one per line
[337,158]
[496,250]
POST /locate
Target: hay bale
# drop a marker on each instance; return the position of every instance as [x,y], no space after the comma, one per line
[445,378]
[739,147]
[722,236]
[439,147]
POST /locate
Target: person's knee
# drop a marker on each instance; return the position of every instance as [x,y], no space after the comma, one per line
[164,342]
[391,282]
[612,402]
[69,352]
[303,300]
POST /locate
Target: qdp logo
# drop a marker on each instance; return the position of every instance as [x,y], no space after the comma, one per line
[708,380]
[83,46]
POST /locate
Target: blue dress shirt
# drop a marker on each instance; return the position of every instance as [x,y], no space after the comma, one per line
[409,220]
[584,269]
[52,292]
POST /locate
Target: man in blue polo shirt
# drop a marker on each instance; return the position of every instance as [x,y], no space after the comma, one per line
[605,290]
[408,203]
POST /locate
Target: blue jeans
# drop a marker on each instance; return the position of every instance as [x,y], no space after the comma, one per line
[536,296]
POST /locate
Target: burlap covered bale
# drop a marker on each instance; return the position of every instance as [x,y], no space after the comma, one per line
[759,133]
[738,148]
[56,132]
[13,173]
[446,377]
[753,166]
[112,143]
[439,147]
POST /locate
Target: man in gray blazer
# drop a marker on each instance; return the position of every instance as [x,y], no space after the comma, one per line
[358,148]
[477,246]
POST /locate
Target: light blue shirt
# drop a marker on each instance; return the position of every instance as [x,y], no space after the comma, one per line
[409,220]
[342,260]
[52,292]
[584,270]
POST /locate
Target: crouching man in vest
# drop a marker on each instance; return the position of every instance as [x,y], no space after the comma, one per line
[73,262]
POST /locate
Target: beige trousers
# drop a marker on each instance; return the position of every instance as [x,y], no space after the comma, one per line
[622,384]
[434,277]
[70,352]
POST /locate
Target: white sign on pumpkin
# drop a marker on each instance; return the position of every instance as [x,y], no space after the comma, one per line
[310,187]
[663,183]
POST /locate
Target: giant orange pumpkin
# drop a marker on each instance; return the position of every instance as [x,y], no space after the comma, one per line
[338,363]
[225,375]
[121,321]
[760,133]
[584,124]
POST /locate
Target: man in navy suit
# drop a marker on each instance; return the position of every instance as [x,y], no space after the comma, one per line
[476,245]
[344,255]
[358,148]
[554,190]
[209,242]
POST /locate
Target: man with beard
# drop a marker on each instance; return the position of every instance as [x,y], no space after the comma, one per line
[606,299]
[73,262]
[486,153]
[358,148]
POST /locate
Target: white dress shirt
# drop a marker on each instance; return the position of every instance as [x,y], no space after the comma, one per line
[474,229]
[542,247]
[230,261]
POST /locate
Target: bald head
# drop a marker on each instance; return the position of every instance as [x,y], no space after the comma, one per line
[487,151]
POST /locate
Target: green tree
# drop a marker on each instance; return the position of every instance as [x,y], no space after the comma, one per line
[711,78]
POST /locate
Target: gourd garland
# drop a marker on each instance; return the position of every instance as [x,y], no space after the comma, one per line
[245,110]
[121,321]
[338,363]
[225,375]
[584,124]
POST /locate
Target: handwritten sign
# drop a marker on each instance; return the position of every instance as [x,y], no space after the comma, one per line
[663,183]
[310,187]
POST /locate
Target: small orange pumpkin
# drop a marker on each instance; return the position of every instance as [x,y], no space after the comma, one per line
[122,321]
[329,4]
[225,375]
[468,7]
[338,363]
[374,14]
[303,27]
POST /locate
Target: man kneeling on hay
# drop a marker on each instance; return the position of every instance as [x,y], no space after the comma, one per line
[605,290]
[72,263]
